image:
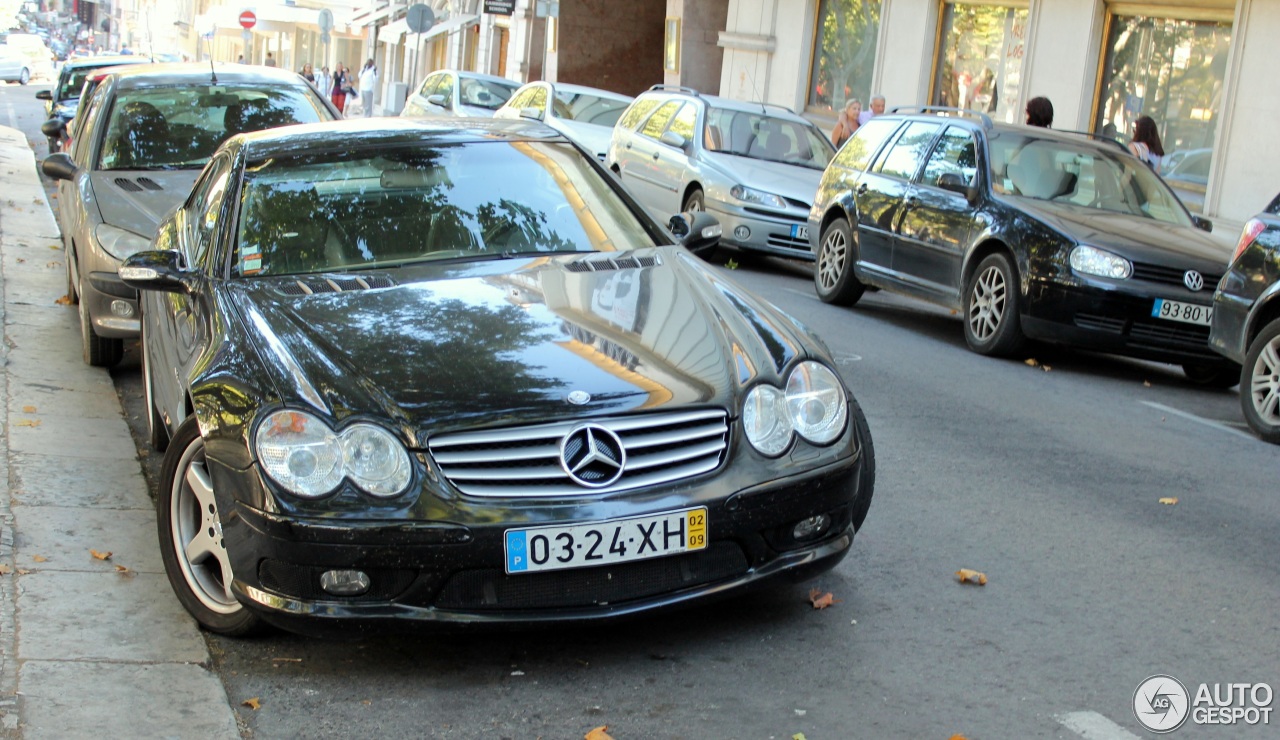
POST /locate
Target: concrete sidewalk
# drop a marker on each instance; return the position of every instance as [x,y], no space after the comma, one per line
[88,647]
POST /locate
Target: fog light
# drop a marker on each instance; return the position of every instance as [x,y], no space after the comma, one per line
[344,582]
[123,309]
[742,232]
[811,527]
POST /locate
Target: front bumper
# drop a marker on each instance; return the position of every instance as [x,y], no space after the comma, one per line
[1115,321]
[439,573]
[112,305]
[781,234]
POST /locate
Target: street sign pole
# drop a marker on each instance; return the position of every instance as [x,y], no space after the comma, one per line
[248,19]
[419,18]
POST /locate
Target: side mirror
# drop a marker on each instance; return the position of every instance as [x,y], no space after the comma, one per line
[53,128]
[671,138]
[44,95]
[697,231]
[1202,223]
[59,166]
[438,99]
[157,270]
[956,184]
[531,113]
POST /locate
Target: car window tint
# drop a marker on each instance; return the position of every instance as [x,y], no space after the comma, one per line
[637,112]
[904,157]
[180,127]
[521,99]
[429,85]
[954,154]
[206,206]
[367,208]
[488,93]
[657,123]
[758,135]
[444,86]
[857,152]
[589,108]
[1080,174]
[685,121]
[537,99]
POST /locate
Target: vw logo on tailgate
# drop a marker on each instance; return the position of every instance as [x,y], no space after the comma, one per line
[592,455]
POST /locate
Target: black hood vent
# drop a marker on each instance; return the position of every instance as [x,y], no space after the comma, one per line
[601,265]
[149,184]
[130,185]
[311,286]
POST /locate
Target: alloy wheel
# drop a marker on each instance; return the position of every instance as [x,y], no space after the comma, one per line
[987,303]
[197,533]
[832,258]
[1264,383]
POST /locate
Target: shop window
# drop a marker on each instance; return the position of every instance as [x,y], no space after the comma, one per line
[844,53]
[979,61]
[1172,70]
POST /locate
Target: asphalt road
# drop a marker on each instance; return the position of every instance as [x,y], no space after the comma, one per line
[1048,478]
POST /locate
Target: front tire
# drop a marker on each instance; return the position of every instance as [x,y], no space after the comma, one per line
[694,202]
[97,351]
[1221,375]
[833,277]
[24,76]
[191,543]
[991,323]
[1260,384]
[867,476]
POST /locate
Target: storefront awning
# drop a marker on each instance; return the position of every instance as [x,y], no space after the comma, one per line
[393,32]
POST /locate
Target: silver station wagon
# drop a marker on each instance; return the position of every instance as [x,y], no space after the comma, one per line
[755,167]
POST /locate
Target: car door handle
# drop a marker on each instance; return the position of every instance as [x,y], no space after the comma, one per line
[911,200]
[655,156]
[862,189]
[628,146]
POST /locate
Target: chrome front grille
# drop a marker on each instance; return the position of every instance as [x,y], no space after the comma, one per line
[525,461]
[1170,275]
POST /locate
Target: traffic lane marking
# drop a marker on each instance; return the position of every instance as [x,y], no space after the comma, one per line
[1093,726]
[1198,419]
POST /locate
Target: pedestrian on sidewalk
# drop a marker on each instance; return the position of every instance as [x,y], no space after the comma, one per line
[341,84]
[368,84]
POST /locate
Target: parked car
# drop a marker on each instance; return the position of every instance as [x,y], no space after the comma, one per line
[147,132]
[754,167]
[1246,320]
[528,402]
[1027,232]
[449,93]
[39,56]
[14,66]
[1187,172]
[583,114]
[62,100]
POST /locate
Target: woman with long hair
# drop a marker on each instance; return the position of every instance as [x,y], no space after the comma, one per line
[341,83]
[846,122]
[1146,142]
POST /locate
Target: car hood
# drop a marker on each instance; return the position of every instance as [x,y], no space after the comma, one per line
[788,180]
[595,139]
[138,200]
[1134,237]
[506,342]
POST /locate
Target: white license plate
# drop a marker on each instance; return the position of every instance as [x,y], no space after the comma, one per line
[1188,313]
[604,543]
[799,232]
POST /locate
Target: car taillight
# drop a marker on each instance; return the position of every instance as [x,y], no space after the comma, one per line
[1251,231]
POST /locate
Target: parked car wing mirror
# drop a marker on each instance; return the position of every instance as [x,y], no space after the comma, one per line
[956,184]
[1202,223]
[671,138]
[697,231]
[44,95]
[437,99]
[53,128]
[58,166]
[162,270]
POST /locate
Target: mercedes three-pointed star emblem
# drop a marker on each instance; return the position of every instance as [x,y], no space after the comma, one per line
[592,455]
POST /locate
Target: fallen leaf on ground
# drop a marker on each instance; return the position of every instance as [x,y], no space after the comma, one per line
[121,569]
[821,600]
[1169,501]
[1146,383]
[255,703]
[731,264]
[55,246]
[27,423]
[799,736]
[5,570]
[24,572]
[1045,368]
[64,301]
[957,737]
[52,264]
[28,409]
[19,260]
[1032,362]
[39,558]
[286,660]
[598,734]
[100,555]
[367,702]
[972,576]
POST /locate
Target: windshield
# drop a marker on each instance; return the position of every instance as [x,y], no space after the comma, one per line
[484,93]
[1064,172]
[74,82]
[761,136]
[180,127]
[346,210]
[589,108]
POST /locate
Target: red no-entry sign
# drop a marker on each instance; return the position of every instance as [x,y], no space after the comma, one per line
[248,19]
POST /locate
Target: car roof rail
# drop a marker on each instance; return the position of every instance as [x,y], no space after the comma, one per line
[986,120]
[674,88]
[1092,135]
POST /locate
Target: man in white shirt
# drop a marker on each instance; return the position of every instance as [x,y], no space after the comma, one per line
[368,84]
[877,108]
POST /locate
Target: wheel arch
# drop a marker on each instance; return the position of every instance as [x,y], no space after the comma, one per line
[985,249]
[688,190]
[1264,314]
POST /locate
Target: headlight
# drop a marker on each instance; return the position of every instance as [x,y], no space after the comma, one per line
[815,403]
[120,243]
[813,406]
[309,459]
[1094,261]
[757,197]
